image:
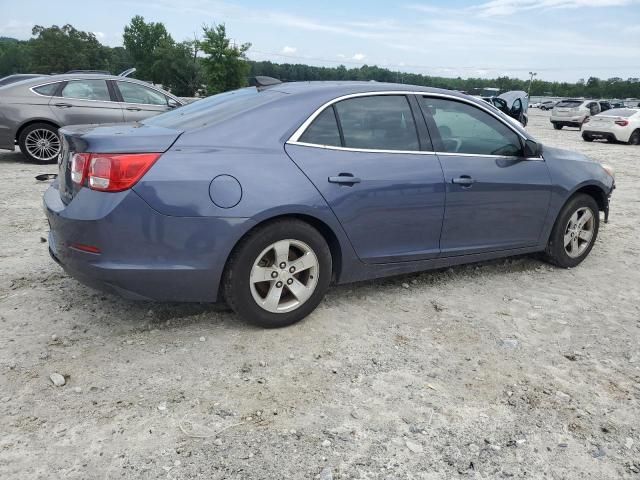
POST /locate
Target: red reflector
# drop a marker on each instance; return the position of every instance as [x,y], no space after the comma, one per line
[109,172]
[85,248]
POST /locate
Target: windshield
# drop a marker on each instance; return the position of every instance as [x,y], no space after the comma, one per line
[569,103]
[212,109]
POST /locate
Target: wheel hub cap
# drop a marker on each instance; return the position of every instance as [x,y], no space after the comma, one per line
[284,276]
[578,233]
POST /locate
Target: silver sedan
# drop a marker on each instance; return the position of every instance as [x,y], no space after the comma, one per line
[31,111]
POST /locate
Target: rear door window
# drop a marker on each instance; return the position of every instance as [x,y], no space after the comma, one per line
[381,122]
[323,130]
[466,129]
[86,90]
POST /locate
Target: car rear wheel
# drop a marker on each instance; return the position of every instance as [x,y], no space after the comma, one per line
[634,139]
[557,126]
[574,232]
[40,143]
[587,138]
[278,274]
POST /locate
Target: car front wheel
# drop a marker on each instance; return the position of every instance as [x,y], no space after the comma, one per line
[557,126]
[634,139]
[278,274]
[574,232]
[587,138]
[40,143]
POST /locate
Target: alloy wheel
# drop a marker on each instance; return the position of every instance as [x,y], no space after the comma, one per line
[42,144]
[284,276]
[578,233]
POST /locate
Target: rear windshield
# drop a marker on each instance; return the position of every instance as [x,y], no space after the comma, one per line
[619,112]
[569,103]
[213,109]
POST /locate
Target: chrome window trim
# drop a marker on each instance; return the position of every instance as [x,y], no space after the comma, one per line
[166,94]
[362,150]
[294,138]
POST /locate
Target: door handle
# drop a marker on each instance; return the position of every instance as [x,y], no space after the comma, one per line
[134,109]
[63,105]
[464,180]
[344,179]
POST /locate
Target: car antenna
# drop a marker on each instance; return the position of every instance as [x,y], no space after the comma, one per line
[261,82]
[127,72]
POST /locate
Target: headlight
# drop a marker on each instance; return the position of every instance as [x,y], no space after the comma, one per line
[609,170]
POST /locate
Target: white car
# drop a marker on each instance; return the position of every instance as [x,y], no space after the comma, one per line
[573,112]
[616,125]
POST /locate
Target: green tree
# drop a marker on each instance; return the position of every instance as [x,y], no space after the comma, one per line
[225,64]
[142,41]
[58,49]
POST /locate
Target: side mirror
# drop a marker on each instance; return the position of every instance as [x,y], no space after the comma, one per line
[532,149]
[173,104]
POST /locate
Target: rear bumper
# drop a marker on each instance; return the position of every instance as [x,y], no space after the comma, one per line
[144,255]
[574,120]
[608,135]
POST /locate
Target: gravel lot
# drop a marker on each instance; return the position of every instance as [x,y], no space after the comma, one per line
[505,369]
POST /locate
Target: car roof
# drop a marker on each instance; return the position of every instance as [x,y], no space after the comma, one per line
[78,76]
[348,87]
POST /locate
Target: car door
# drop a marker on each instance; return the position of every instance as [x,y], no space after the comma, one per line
[140,102]
[84,101]
[370,158]
[495,198]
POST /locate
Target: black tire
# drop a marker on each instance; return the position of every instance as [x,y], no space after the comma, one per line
[42,127]
[555,252]
[557,126]
[634,139]
[237,285]
[587,138]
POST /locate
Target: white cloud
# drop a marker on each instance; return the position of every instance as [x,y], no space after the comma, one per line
[358,57]
[99,35]
[509,7]
[289,50]
[16,29]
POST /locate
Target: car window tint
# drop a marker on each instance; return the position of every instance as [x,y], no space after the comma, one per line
[323,130]
[47,90]
[569,103]
[134,93]
[464,128]
[382,122]
[86,90]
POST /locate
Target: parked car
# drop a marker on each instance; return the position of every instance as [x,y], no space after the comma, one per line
[573,112]
[514,104]
[604,105]
[32,111]
[535,105]
[332,182]
[547,105]
[18,77]
[615,125]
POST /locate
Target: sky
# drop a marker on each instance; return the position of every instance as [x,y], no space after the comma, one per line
[561,40]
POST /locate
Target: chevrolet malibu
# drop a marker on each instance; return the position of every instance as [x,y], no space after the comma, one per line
[265,196]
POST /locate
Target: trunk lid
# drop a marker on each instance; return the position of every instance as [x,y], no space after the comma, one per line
[120,138]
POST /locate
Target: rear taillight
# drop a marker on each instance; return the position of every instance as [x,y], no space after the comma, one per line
[110,172]
[79,164]
[622,123]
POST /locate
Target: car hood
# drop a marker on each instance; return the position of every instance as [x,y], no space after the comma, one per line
[562,154]
[513,95]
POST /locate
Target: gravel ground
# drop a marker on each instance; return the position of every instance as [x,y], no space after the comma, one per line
[504,369]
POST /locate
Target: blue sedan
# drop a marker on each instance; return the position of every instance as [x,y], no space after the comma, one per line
[266,195]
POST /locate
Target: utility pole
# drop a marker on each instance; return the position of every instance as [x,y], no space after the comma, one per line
[533,74]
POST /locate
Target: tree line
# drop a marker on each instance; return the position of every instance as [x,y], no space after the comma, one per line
[212,63]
